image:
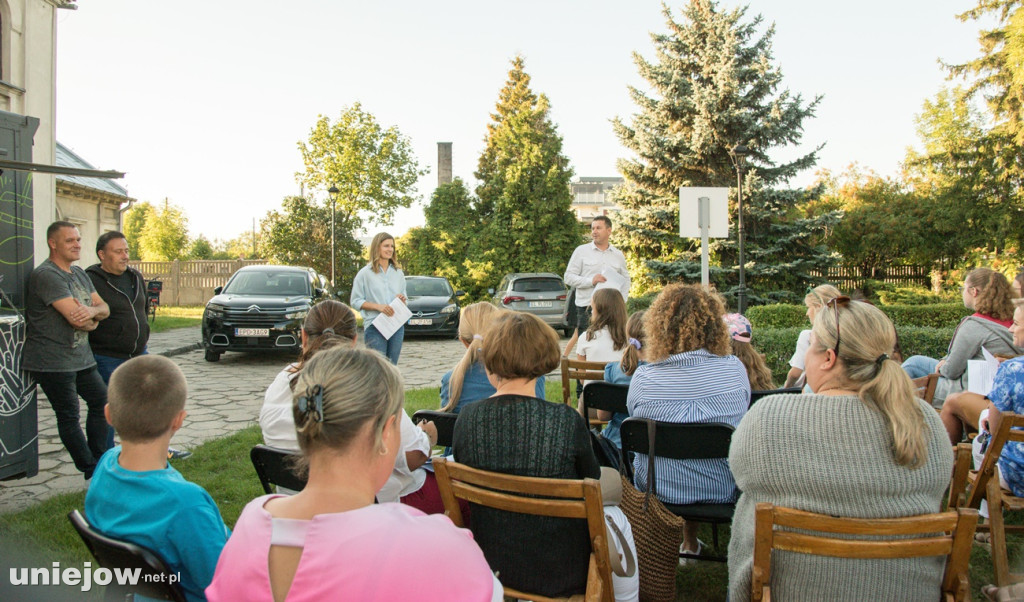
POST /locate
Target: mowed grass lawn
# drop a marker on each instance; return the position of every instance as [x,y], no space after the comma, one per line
[176,317]
[42,534]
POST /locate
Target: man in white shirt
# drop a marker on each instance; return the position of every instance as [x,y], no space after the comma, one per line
[595,263]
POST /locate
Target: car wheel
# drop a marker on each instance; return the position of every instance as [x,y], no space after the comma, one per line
[212,356]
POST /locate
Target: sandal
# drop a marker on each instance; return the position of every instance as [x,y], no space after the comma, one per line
[984,540]
[1010,593]
[690,561]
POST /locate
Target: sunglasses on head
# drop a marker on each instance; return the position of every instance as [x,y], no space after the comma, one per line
[834,304]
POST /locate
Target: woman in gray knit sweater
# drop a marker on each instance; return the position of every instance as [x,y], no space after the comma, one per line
[863,446]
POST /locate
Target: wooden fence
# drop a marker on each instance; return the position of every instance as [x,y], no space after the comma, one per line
[850,278]
[191,282]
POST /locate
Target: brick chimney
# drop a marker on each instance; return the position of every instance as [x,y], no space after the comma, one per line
[444,163]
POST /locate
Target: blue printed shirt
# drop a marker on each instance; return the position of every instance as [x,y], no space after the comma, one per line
[1008,396]
[692,387]
[376,287]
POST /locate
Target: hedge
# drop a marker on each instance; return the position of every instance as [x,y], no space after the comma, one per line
[935,315]
[778,315]
[778,345]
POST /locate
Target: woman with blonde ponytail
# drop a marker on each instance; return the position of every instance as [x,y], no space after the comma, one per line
[467,382]
[861,446]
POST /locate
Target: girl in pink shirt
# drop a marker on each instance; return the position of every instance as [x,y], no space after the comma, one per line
[330,541]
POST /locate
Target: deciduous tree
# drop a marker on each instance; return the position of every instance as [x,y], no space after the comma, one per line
[165,234]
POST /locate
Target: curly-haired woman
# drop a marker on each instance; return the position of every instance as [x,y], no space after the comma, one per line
[988,293]
[692,377]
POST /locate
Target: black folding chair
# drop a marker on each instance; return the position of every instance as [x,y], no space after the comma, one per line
[603,395]
[444,421]
[755,395]
[155,580]
[276,467]
[706,441]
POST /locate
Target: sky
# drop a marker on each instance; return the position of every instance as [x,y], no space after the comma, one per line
[204,102]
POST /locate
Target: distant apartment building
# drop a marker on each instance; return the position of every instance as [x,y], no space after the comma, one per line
[590,197]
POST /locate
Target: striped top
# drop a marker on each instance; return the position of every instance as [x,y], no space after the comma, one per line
[696,386]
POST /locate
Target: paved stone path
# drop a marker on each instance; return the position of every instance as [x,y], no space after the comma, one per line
[224,397]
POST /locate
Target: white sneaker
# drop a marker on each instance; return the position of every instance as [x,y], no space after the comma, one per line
[690,561]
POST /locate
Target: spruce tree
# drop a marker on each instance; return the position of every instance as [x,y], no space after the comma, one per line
[523,196]
[713,85]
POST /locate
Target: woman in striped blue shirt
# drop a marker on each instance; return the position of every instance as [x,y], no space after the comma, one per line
[692,377]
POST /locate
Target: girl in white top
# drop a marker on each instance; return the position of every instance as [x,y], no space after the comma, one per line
[330,324]
[815,300]
[605,340]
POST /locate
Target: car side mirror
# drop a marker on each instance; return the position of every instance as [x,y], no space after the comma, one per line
[218,290]
[490,291]
[319,292]
[459,293]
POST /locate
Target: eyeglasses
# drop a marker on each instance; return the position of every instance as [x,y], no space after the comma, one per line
[834,304]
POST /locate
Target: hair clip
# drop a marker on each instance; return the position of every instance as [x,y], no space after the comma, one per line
[635,343]
[880,359]
[313,403]
[327,330]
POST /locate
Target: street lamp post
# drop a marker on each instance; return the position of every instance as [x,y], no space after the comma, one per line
[333,193]
[738,155]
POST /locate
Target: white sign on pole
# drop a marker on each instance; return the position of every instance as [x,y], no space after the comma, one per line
[689,211]
[704,213]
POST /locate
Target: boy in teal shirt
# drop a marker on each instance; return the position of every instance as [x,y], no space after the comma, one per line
[136,495]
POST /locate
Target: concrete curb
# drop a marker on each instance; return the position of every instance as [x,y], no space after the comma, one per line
[181,350]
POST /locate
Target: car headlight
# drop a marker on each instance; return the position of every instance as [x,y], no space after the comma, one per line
[449,309]
[215,311]
[296,313]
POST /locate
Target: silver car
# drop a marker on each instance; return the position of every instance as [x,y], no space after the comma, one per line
[540,294]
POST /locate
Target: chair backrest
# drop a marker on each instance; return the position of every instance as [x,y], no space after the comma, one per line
[155,579]
[605,396]
[563,498]
[1009,430]
[275,467]
[697,441]
[444,421]
[756,395]
[947,534]
[925,386]
[578,370]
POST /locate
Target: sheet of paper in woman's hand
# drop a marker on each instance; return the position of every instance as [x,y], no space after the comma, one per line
[389,325]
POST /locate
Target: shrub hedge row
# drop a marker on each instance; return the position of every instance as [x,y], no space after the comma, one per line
[778,344]
[935,315]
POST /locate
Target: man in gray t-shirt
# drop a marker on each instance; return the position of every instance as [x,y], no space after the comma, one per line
[61,307]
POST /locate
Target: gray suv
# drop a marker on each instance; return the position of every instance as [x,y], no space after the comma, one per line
[541,294]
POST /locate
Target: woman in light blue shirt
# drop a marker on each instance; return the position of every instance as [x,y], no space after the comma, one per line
[374,288]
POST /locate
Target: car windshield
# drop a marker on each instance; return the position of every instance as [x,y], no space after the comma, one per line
[428,288]
[537,285]
[268,283]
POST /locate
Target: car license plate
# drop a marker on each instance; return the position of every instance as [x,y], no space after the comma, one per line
[252,332]
[541,304]
[419,322]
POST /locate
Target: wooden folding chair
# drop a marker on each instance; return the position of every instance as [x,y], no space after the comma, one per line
[580,371]
[274,467]
[563,498]
[925,386]
[969,487]
[947,534]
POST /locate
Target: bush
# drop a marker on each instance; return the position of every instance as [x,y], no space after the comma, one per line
[936,315]
[922,340]
[914,296]
[635,304]
[778,315]
[777,345]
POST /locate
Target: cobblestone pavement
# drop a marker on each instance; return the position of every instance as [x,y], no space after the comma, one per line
[224,397]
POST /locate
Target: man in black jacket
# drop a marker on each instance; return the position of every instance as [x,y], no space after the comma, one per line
[125,333]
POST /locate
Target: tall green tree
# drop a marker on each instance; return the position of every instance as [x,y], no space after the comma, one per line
[523,197]
[134,222]
[373,167]
[165,234]
[300,234]
[713,84]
